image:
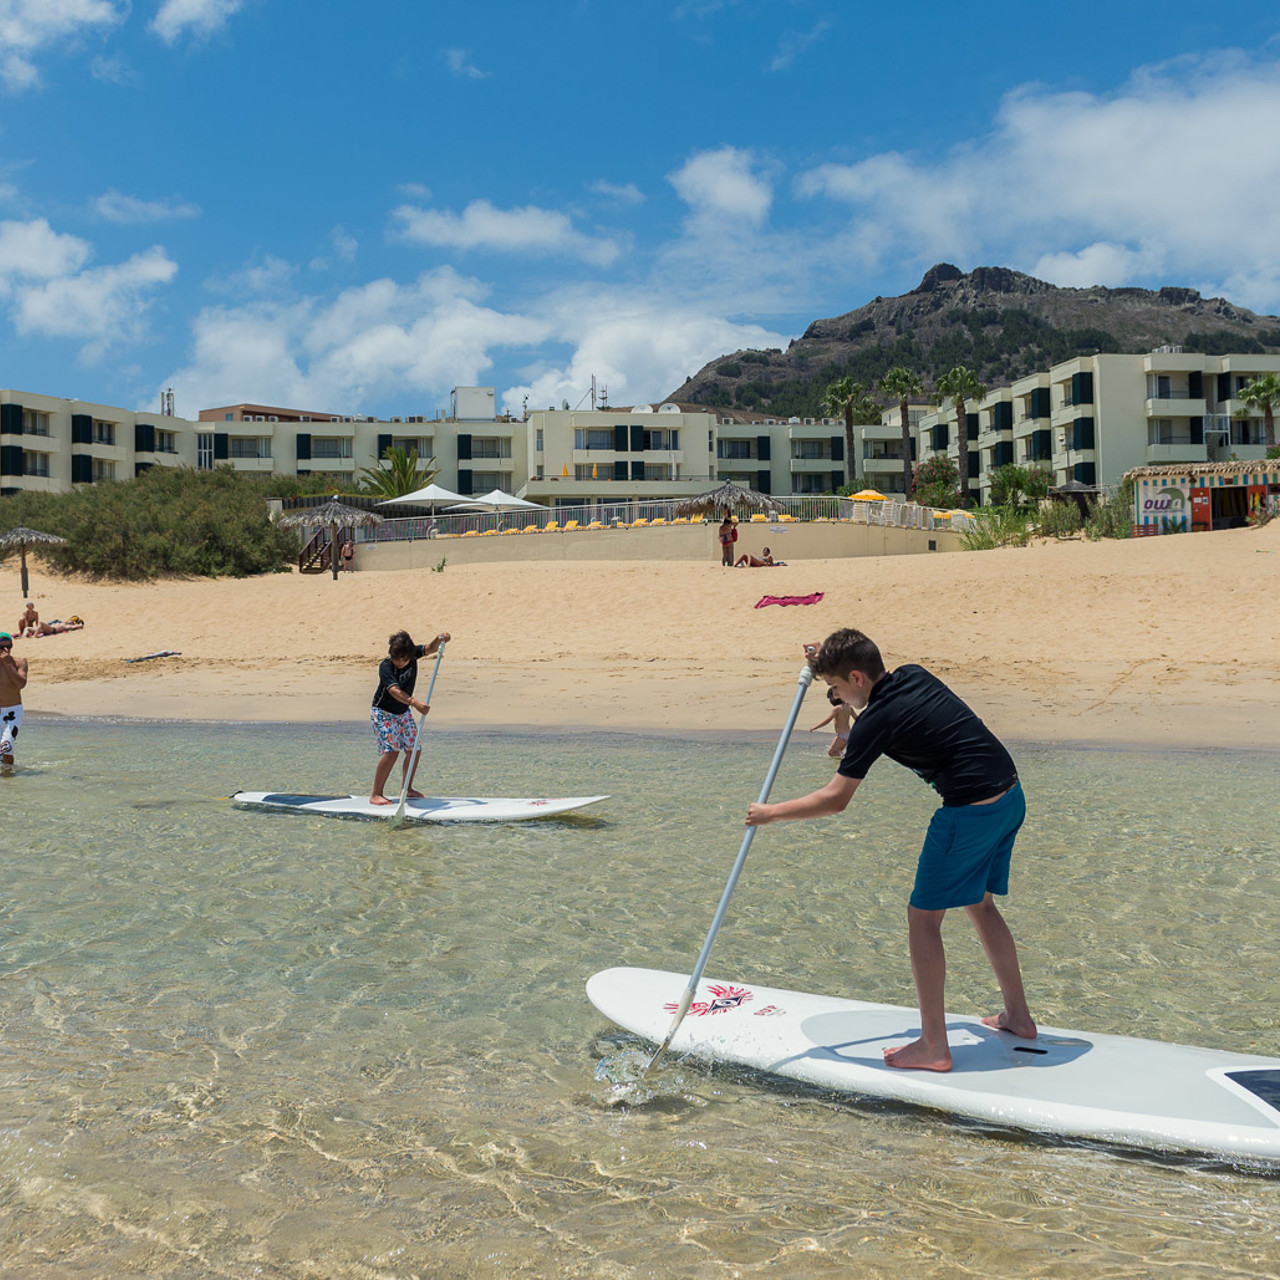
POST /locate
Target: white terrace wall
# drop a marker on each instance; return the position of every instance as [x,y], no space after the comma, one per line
[790,542]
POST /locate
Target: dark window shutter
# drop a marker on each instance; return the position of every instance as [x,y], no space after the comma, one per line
[620,468]
[941,436]
[637,438]
[1195,385]
[762,448]
[637,470]
[1086,472]
[221,446]
[1197,430]
[81,468]
[1082,433]
[1004,453]
[1040,407]
[384,443]
[1002,416]
[10,459]
[837,448]
[81,428]
[10,419]
[913,448]
[620,438]
[144,437]
[764,481]
[464,450]
[303,441]
[837,480]
[464,475]
[971,426]
[975,462]
[1224,386]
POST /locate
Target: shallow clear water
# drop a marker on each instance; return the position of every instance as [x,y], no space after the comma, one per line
[235,1043]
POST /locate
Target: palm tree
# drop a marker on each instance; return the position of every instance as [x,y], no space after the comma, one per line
[960,385]
[1263,393]
[849,400]
[402,475]
[901,384]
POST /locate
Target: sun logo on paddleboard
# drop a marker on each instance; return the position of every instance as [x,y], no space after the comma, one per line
[532,802]
[723,999]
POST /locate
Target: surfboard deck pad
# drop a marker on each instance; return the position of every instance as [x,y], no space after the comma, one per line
[1116,1089]
[427,809]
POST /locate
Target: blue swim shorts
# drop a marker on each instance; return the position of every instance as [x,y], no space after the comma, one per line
[966,852]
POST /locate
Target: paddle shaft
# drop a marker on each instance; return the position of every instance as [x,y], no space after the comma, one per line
[805,680]
[412,762]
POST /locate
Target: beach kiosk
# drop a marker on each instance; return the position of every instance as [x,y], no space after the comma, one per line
[1197,497]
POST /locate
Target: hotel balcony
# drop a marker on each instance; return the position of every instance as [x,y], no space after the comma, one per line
[1158,454]
[808,466]
[882,466]
[1176,406]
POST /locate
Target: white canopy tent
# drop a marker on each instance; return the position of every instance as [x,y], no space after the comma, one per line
[433,496]
[496,500]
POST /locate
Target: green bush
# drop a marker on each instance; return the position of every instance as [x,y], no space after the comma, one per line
[936,483]
[1022,487]
[169,522]
[1060,519]
[1112,517]
[994,527]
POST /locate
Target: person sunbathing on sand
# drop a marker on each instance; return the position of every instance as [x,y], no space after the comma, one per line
[913,718]
[764,561]
[57,626]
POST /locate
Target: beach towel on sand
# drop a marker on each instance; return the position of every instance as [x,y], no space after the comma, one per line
[813,599]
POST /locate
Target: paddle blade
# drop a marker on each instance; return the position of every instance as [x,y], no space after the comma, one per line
[685,1001]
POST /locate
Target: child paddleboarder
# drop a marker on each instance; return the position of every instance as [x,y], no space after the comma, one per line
[910,716]
[393,708]
[13,679]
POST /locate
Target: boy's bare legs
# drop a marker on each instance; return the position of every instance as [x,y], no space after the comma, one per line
[386,761]
[406,774]
[929,968]
[1001,951]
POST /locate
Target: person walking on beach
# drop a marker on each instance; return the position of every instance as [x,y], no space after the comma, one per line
[842,714]
[728,536]
[393,708]
[349,556]
[13,679]
[913,718]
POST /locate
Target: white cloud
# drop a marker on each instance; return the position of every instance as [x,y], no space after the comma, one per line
[794,43]
[115,206]
[414,340]
[482,226]
[720,186]
[623,193]
[1177,171]
[640,346]
[459,62]
[103,305]
[263,276]
[28,27]
[200,18]
[35,251]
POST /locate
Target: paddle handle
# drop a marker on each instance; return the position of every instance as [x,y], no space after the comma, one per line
[804,681]
[417,737]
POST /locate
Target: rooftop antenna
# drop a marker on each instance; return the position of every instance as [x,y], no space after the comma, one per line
[166,403]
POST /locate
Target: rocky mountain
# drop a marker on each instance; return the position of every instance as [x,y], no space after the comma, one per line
[1001,323]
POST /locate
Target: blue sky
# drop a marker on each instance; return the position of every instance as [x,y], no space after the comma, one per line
[355,207]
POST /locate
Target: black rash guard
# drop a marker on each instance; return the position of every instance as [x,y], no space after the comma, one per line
[405,678]
[913,718]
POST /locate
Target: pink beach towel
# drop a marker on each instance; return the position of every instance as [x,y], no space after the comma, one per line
[813,599]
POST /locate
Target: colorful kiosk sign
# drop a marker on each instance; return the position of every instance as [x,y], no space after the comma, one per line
[1222,496]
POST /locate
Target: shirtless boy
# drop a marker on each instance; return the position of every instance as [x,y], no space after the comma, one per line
[393,708]
[913,718]
[13,679]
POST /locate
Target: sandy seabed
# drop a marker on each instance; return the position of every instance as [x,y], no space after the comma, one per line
[1171,641]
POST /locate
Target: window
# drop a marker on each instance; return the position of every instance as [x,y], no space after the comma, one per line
[103,469]
[483,481]
[1160,431]
[34,464]
[499,446]
[731,449]
[657,441]
[329,447]
[35,423]
[103,433]
[1246,431]
[166,442]
[250,446]
[204,451]
[538,445]
[811,450]
[657,471]
[423,444]
[587,438]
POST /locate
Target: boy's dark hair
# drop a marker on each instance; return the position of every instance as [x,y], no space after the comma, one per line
[848,650]
[401,645]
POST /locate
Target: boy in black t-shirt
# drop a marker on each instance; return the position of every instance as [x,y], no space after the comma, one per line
[910,716]
[392,712]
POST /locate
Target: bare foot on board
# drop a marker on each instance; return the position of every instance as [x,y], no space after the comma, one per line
[917,1057]
[1002,1022]
[380,800]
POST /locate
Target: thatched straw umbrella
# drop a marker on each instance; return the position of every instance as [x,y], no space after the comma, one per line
[728,497]
[337,515]
[22,538]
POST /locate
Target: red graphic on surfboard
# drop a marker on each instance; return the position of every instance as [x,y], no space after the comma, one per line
[723,999]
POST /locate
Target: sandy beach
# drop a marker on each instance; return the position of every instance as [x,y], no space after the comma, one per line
[1169,641]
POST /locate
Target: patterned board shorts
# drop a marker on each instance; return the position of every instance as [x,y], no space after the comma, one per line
[10,719]
[394,733]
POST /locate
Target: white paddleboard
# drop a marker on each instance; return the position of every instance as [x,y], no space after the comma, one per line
[1068,1083]
[428,809]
